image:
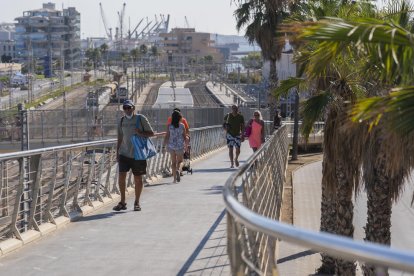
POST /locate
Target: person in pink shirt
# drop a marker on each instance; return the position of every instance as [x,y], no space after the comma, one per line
[257,134]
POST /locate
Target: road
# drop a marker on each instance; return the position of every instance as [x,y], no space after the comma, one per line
[402,219]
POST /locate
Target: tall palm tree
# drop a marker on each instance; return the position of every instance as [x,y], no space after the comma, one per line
[332,94]
[261,19]
[387,155]
[334,87]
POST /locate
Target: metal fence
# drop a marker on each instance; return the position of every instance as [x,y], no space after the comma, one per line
[258,185]
[253,197]
[315,136]
[42,189]
[51,127]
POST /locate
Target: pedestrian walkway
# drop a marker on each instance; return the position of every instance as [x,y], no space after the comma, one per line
[227,95]
[293,259]
[181,230]
[222,93]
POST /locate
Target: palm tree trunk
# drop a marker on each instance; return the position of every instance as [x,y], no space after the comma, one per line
[296,128]
[345,213]
[379,205]
[273,82]
[328,220]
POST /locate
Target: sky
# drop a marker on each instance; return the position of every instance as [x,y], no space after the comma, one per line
[213,16]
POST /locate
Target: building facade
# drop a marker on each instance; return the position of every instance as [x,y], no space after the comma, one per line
[183,44]
[7,50]
[47,35]
[7,43]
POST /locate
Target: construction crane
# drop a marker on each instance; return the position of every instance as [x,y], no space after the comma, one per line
[135,29]
[143,30]
[164,22]
[121,16]
[152,28]
[167,23]
[107,30]
[187,25]
[157,28]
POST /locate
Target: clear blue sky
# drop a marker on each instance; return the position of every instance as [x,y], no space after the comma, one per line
[213,16]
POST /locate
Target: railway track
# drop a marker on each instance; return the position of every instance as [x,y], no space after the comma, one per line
[202,98]
[152,95]
[75,99]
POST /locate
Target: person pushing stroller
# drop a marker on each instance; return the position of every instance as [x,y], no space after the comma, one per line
[186,156]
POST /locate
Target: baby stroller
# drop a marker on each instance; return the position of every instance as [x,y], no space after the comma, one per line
[186,159]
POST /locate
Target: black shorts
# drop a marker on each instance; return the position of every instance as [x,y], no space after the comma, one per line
[138,167]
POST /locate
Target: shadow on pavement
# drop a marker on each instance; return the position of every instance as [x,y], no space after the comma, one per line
[296,256]
[210,256]
[214,170]
[214,190]
[99,216]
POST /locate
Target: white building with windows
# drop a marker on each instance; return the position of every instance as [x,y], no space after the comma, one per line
[49,34]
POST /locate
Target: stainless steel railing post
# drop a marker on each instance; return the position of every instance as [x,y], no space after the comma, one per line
[52,185]
[14,230]
[36,162]
[68,172]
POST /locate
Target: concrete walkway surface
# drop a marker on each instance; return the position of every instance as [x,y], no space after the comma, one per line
[181,230]
[293,259]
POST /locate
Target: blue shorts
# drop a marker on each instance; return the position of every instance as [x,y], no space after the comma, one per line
[233,141]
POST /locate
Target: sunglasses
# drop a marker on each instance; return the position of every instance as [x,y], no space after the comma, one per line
[127,107]
[256,115]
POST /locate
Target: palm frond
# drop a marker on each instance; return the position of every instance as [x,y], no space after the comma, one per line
[388,45]
[398,106]
[313,110]
[286,85]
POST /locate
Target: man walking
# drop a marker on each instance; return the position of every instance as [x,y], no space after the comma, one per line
[234,125]
[125,152]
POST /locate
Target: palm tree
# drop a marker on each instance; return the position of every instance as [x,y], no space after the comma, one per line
[387,155]
[334,88]
[104,51]
[261,18]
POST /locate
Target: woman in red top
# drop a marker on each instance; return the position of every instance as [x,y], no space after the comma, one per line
[257,135]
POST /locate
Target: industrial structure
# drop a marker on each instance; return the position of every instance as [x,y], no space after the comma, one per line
[49,34]
[146,31]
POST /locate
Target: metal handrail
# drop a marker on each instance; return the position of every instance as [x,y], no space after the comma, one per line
[107,142]
[334,245]
[44,188]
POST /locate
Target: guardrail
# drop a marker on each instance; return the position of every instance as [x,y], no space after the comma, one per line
[42,189]
[315,136]
[51,127]
[252,197]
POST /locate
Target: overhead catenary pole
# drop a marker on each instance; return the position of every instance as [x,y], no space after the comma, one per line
[62,87]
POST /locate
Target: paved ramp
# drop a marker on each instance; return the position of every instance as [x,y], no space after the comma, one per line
[181,230]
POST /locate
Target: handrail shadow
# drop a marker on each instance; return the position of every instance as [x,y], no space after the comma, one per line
[210,254]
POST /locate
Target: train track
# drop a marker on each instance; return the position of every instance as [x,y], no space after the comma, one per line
[202,98]
[152,95]
[75,99]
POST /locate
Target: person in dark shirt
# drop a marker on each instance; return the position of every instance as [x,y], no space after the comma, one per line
[234,126]
[277,120]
